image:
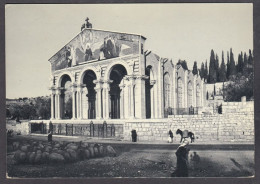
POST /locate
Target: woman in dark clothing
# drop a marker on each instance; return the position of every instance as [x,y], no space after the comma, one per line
[182,160]
[171,136]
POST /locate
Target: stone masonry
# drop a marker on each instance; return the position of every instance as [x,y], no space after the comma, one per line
[236,124]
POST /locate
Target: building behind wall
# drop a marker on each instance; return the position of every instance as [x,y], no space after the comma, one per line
[106,84]
[103,75]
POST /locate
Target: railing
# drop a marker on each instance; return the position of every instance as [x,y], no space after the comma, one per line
[180,111]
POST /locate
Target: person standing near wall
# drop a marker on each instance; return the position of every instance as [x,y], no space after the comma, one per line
[170,137]
[182,160]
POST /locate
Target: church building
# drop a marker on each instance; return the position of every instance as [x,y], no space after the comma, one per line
[103,75]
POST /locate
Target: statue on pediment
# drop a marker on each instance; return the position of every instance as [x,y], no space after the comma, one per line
[87,24]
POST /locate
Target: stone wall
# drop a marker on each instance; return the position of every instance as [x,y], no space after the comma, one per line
[22,128]
[236,124]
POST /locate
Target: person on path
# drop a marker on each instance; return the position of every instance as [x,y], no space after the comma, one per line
[171,137]
[182,160]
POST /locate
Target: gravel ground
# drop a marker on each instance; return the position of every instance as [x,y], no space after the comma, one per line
[144,163]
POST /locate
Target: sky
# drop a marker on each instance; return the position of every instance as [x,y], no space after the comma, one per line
[34,33]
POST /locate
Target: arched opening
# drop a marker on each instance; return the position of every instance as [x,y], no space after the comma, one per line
[166,90]
[90,97]
[190,91]
[66,98]
[180,93]
[198,95]
[148,92]
[116,75]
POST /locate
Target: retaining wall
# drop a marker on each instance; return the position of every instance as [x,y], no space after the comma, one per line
[236,124]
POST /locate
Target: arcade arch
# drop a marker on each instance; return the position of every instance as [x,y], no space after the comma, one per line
[180,93]
[116,75]
[190,94]
[89,94]
[65,101]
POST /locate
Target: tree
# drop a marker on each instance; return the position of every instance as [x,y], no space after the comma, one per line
[202,70]
[214,92]
[240,64]
[245,68]
[232,64]
[250,62]
[212,68]
[222,70]
[8,114]
[195,68]
[206,71]
[239,86]
[217,67]
[228,66]
[183,63]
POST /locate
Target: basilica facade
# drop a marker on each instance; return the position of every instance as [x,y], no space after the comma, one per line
[102,75]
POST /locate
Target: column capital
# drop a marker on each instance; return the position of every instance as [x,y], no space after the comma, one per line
[107,81]
[122,86]
[58,92]
[80,87]
[130,77]
[142,77]
[152,82]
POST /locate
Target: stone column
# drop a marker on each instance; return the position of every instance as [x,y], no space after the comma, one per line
[185,89]
[131,96]
[140,111]
[194,104]
[58,93]
[152,82]
[160,107]
[73,90]
[174,88]
[106,99]
[79,106]
[84,102]
[98,89]
[52,105]
[122,104]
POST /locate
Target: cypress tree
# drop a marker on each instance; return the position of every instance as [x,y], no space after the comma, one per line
[217,67]
[228,65]
[245,71]
[250,62]
[232,64]
[195,68]
[212,68]
[240,63]
[183,63]
[206,74]
[202,70]
[222,71]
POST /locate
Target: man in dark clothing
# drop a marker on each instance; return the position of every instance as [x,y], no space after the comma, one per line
[50,132]
[50,136]
[182,160]
[59,129]
[134,135]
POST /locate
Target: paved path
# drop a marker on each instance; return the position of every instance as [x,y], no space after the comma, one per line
[152,144]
